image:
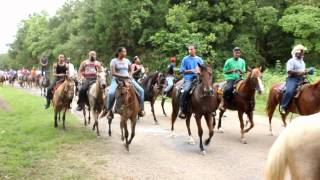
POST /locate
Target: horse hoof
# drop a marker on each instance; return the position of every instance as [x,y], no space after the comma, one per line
[156,123]
[191,141]
[271,134]
[203,153]
[207,142]
[172,135]
[220,130]
[244,141]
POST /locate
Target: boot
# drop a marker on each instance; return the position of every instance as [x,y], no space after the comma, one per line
[110,114]
[141,113]
[48,104]
[182,114]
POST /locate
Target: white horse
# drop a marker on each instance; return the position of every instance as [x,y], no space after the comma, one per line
[298,148]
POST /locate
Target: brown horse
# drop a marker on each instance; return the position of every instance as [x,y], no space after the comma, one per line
[96,98]
[203,102]
[61,100]
[244,99]
[297,148]
[307,103]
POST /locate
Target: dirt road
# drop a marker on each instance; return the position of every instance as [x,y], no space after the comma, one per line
[155,155]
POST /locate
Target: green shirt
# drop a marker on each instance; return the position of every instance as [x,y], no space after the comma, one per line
[231,63]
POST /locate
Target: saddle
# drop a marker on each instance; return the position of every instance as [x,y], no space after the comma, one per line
[281,88]
[194,83]
[222,85]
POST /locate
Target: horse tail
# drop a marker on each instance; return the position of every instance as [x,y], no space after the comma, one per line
[277,159]
[272,102]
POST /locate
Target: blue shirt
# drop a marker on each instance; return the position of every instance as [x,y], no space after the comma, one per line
[296,64]
[190,62]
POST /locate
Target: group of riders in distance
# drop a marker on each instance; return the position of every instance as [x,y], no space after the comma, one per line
[193,94]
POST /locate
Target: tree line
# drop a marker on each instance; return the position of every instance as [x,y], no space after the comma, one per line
[155,30]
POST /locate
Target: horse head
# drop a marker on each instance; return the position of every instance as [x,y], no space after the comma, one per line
[123,91]
[102,78]
[68,88]
[206,79]
[255,76]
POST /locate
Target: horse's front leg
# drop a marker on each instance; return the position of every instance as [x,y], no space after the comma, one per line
[152,110]
[84,115]
[55,118]
[163,100]
[210,127]
[133,128]
[96,122]
[250,116]
[190,140]
[64,117]
[240,115]
[200,133]
[219,121]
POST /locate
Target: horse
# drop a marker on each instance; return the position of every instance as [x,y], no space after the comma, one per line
[307,103]
[44,83]
[244,99]
[96,99]
[152,85]
[297,148]
[12,78]
[62,98]
[203,102]
[2,79]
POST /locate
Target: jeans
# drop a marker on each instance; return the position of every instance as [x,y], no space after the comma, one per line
[169,80]
[84,88]
[228,90]
[291,86]
[112,92]
[187,83]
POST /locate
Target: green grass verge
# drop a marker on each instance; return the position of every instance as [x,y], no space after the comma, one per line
[28,140]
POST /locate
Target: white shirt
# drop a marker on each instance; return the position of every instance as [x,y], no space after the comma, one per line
[72,72]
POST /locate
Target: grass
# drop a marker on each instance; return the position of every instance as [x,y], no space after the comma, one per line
[29,144]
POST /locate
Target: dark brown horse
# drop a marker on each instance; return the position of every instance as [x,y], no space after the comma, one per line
[152,86]
[244,99]
[163,98]
[307,103]
[203,102]
[62,97]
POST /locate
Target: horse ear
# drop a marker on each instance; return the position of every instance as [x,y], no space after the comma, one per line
[262,68]
[249,69]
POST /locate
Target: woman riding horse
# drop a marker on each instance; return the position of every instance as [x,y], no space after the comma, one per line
[60,70]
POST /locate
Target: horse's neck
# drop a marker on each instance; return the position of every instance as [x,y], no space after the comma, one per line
[99,92]
[247,88]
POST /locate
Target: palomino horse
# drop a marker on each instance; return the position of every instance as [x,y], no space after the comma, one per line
[96,99]
[307,103]
[297,148]
[152,86]
[62,98]
[244,99]
[44,83]
[203,102]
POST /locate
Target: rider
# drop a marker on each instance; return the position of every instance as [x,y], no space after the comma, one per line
[60,70]
[233,69]
[170,76]
[189,67]
[296,74]
[88,71]
[44,64]
[137,68]
[121,69]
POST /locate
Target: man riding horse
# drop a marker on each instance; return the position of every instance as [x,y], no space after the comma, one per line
[88,71]
[60,70]
[189,67]
[233,69]
[120,70]
[296,70]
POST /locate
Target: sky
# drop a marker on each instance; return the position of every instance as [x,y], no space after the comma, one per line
[13,11]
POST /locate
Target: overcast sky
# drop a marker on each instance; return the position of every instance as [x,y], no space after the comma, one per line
[13,11]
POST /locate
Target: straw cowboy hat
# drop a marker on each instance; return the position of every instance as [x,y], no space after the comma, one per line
[297,49]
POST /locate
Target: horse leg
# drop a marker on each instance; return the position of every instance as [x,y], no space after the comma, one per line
[240,115]
[219,121]
[133,128]
[250,116]
[84,116]
[174,115]
[64,118]
[55,118]
[190,140]
[109,123]
[163,100]
[126,134]
[59,117]
[200,133]
[152,110]
[210,127]
[89,119]
[96,123]
[122,122]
